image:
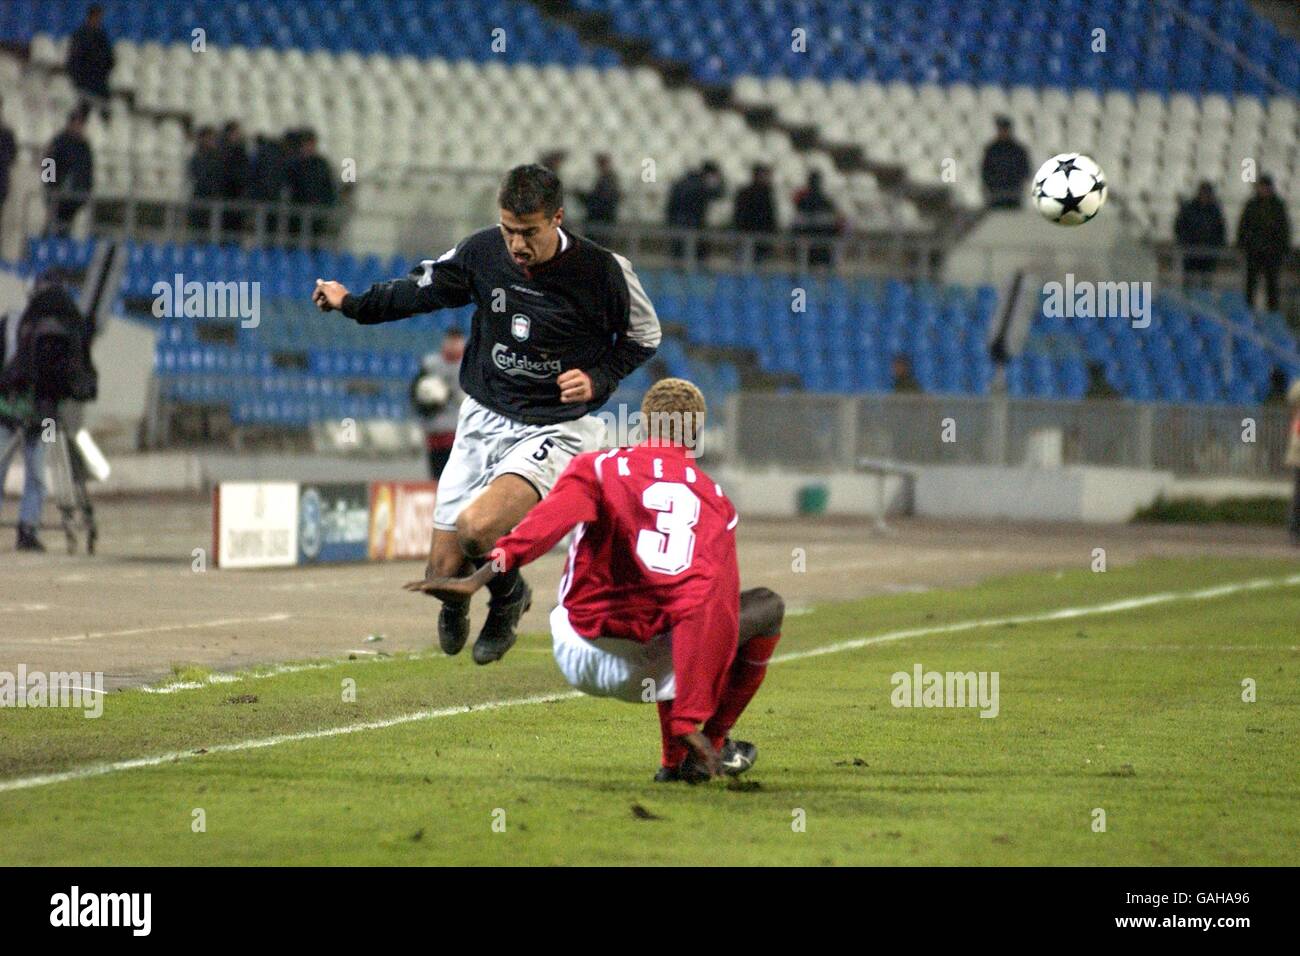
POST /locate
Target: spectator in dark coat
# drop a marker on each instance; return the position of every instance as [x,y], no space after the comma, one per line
[268,167]
[1200,226]
[309,175]
[1264,236]
[8,153]
[601,202]
[206,176]
[234,173]
[1005,169]
[754,209]
[90,55]
[73,173]
[689,201]
[816,217]
[311,183]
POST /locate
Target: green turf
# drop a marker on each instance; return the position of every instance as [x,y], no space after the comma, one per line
[1136,712]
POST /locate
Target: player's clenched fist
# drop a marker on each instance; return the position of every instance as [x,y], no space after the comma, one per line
[328,295]
[575,386]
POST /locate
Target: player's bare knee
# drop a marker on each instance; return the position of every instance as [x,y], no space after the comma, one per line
[761,611]
[474,533]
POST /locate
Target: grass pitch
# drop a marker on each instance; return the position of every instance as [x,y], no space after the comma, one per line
[1136,711]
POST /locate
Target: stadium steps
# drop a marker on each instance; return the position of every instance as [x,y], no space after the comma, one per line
[946,221]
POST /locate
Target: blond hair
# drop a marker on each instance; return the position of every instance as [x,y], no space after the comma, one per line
[673,410]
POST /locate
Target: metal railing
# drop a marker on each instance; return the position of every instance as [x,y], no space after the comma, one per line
[254,223]
[1227,270]
[827,433]
[221,221]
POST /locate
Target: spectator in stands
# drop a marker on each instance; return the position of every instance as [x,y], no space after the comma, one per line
[553,160]
[267,167]
[205,176]
[1005,169]
[1293,460]
[205,165]
[1098,385]
[436,395]
[8,153]
[601,202]
[90,56]
[816,217]
[268,173]
[310,179]
[754,210]
[904,381]
[1264,237]
[234,173]
[73,173]
[1200,227]
[689,201]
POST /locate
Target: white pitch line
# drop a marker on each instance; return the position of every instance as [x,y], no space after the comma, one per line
[1165,597]
[163,628]
[1063,614]
[98,770]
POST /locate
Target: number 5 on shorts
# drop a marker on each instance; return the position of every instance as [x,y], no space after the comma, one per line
[543,449]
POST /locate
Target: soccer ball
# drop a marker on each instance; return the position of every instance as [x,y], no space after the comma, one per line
[1069,189]
[431,393]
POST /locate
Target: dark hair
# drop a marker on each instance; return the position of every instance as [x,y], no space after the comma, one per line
[528,189]
[455,330]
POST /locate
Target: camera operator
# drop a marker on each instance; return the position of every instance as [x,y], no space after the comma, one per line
[436,395]
[44,360]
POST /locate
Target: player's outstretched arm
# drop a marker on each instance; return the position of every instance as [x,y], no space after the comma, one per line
[571,501]
[441,283]
[454,589]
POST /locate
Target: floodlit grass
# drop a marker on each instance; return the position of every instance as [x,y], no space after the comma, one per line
[1137,713]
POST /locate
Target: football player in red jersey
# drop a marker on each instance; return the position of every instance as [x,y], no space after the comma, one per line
[650,605]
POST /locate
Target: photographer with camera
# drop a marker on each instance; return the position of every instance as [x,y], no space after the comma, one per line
[44,360]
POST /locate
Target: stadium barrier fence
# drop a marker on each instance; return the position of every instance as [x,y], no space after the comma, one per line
[840,430]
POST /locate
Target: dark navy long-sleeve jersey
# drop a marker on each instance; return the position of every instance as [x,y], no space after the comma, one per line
[582,309]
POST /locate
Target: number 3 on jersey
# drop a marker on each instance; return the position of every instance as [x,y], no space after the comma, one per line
[669,549]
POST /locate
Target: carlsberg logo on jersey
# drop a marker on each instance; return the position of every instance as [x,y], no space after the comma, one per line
[512,363]
[134,910]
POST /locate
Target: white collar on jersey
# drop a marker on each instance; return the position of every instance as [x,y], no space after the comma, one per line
[564,241]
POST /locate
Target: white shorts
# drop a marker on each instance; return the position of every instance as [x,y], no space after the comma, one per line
[613,666]
[489,445]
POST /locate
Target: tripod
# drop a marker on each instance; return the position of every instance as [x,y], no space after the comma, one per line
[68,486]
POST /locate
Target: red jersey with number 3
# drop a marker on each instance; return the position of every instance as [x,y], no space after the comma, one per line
[654,551]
